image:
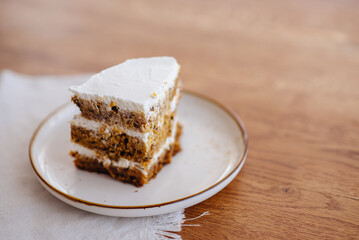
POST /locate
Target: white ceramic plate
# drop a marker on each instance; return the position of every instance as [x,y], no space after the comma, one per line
[214,145]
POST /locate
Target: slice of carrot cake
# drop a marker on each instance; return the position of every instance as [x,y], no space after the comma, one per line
[128,124]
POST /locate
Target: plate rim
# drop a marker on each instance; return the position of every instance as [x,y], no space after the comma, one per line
[230,113]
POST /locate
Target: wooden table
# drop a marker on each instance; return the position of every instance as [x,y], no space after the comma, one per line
[290,69]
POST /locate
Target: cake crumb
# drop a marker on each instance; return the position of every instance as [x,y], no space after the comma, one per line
[113,104]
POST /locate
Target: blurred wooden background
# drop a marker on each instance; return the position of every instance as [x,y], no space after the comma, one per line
[290,69]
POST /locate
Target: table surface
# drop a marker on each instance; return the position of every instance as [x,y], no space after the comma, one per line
[290,69]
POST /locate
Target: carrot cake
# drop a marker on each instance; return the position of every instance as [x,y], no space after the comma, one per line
[128,126]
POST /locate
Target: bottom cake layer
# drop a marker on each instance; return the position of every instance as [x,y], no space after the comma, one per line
[135,176]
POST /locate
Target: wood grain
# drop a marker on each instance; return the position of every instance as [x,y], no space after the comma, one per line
[290,69]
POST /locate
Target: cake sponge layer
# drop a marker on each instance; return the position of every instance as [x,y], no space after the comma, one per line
[127,175]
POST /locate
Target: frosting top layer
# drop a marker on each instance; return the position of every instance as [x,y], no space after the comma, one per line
[136,84]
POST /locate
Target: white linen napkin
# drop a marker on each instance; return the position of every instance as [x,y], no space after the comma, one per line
[27,210]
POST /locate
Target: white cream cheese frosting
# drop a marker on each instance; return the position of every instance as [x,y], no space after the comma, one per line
[174,102]
[134,85]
